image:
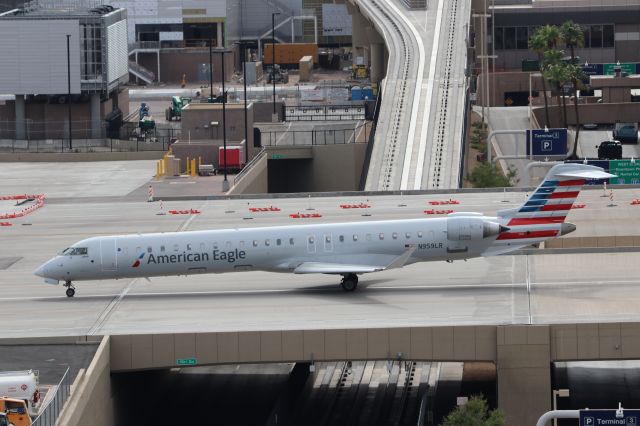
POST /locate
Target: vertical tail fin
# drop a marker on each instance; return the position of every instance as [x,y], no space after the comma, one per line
[542,216]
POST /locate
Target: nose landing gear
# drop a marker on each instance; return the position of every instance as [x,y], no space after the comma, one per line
[71,290]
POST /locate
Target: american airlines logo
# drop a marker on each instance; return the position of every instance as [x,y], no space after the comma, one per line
[217,256]
[137,262]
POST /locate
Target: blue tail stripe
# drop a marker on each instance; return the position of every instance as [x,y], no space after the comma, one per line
[141,256]
[545,190]
[530,209]
[550,183]
[535,203]
[540,196]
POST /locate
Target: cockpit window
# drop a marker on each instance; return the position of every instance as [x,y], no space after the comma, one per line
[76,251]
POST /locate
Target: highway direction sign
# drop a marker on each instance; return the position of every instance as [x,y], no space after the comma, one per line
[186,361]
[609,418]
[628,172]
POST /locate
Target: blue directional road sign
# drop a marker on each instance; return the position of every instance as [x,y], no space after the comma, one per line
[608,418]
[551,142]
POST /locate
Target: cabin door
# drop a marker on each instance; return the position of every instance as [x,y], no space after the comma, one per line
[108,254]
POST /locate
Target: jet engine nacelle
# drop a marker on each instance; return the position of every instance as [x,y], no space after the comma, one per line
[462,228]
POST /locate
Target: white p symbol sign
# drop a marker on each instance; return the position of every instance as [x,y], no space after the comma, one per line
[547,145]
[588,421]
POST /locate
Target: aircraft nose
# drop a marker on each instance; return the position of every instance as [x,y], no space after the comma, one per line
[42,270]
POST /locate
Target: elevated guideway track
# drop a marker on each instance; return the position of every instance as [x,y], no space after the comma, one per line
[418,143]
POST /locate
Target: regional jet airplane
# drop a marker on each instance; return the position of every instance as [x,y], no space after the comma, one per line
[346,249]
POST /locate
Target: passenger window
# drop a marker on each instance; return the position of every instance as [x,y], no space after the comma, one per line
[291,241]
[311,239]
[419,234]
[408,235]
[215,245]
[188,247]
[341,238]
[381,236]
[355,237]
[162,249]
[176,247]
[149,249]
[255,243]
[278,242]
[394,235]
[327,238]
[267,243]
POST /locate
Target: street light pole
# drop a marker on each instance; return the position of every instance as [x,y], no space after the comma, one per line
[210,65]
[244,81]
[225,182]
[273,59]
[69,89]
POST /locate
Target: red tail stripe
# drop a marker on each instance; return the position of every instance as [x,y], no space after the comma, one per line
[553,207]
[535,221]
[575,182]
[568,194]
[526,235]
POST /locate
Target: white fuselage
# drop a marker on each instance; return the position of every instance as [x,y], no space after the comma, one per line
[276,249]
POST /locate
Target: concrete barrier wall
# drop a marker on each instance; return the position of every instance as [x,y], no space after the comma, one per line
[594,242]
[90,401]
[147,351]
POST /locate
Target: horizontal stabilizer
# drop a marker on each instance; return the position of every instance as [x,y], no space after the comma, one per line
[586,174]
[335,268]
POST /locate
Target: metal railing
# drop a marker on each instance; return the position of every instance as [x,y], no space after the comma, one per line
[51,146]
[319,136]
[48,415]
[247,168]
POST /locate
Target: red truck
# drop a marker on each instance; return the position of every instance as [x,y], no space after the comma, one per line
[235,159]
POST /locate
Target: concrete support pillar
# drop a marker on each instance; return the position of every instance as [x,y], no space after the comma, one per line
[219,34]
[158,58]
[524,372]
[377,62]
[95,116]
[20,117]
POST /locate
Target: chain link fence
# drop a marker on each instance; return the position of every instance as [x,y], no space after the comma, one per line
[49,414]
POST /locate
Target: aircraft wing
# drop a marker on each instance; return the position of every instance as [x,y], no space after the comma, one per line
[335,268]
[345,268]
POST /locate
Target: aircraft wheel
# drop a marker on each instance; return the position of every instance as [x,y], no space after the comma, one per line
[349,282]
[71,292]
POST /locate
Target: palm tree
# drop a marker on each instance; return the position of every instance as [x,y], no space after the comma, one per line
[558,76]
[552,36]
[573,37]
[552,59]
[538,44]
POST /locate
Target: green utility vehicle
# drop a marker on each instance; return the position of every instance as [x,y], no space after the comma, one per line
[175,110]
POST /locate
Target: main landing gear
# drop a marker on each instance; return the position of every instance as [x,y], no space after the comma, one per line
[71,290]
[349,282]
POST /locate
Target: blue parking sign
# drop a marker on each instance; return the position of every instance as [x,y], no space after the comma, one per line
[547,142]
[609,417]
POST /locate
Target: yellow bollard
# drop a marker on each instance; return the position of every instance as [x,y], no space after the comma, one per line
[188,164]
[193,167]
[164,163]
